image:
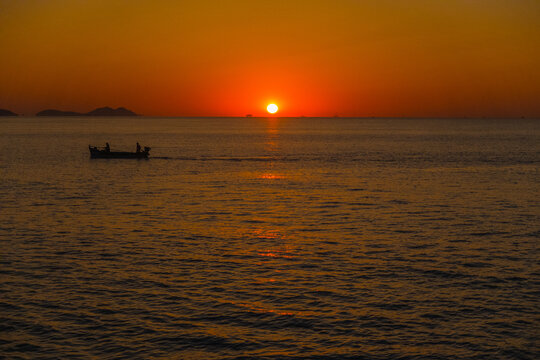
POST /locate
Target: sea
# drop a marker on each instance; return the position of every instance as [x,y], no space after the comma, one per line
[270,238]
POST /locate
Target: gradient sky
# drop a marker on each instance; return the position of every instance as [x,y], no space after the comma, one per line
[457,58]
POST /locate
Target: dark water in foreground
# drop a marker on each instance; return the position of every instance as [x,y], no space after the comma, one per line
[270,239]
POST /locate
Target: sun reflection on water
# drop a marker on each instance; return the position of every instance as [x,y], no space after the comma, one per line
[272,148]
[271,176]
[275,253]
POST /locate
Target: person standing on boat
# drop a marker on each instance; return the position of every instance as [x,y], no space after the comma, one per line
[138,147]
[107,147]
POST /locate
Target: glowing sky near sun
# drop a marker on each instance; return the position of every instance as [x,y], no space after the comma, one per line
[310,57]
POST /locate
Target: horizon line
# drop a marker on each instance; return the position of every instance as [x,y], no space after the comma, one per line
[291,117]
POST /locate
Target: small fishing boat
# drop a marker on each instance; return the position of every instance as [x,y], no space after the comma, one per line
[106,153]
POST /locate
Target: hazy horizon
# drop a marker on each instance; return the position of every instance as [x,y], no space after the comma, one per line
[82,114]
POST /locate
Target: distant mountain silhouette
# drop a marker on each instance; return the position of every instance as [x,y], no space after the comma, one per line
[107,111]
[104,111]
[52,112]
[4,112]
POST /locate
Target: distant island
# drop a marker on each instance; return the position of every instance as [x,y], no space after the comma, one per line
[107,111]
[104,111]
[4,112]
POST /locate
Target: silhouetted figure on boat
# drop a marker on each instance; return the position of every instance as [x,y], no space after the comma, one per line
[138,148]
[107,147]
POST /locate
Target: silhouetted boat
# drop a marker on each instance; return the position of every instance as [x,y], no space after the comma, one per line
[96,153]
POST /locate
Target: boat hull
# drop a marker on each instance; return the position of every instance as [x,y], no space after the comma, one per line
[103,154]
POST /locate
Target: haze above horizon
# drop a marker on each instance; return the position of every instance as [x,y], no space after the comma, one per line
[383,58]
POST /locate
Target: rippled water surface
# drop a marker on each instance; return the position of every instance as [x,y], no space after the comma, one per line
[270,239]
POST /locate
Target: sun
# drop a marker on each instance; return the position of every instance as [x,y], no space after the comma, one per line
[272,108]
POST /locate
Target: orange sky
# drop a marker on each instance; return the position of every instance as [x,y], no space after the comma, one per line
[311,57]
